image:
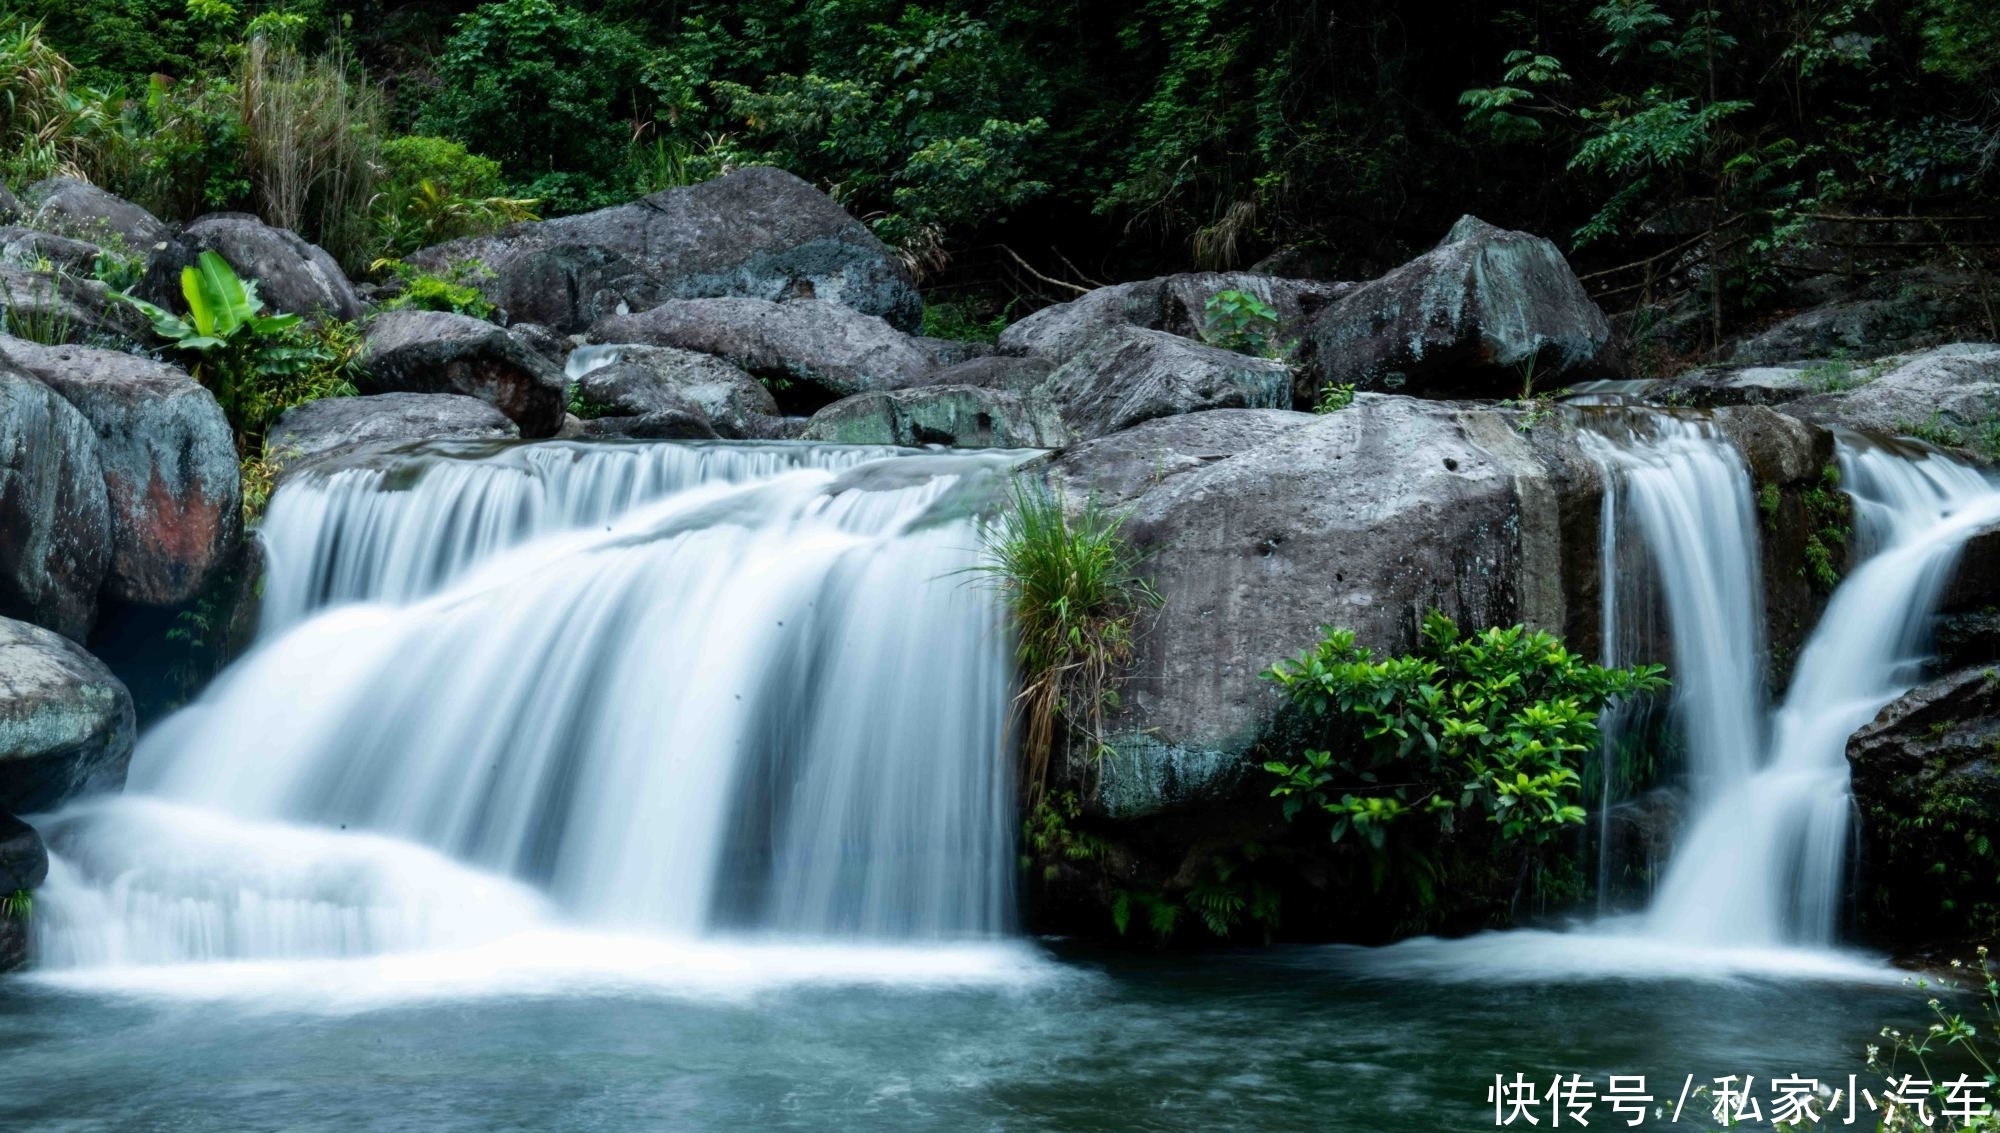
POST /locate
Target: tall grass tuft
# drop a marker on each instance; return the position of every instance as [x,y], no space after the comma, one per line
[312,139]
[1076,596]
[49,125]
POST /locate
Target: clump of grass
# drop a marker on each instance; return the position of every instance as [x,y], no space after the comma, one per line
[47,321]
[18,905]
[1076,594]
[1334,398]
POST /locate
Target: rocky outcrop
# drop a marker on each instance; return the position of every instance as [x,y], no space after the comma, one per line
[543,341]
[10,206]
[169,460]
[962,416]
[65,307]
[24,862]
[335,424]
[29,248]
[441,352]
[55,521]
[69,207]
[1926,783]
[635,381]
[1118,469]
[998,371]
[1948,395]
[1896,313]
[1176,304]
[66,723]
[832,349]
[757,233]
[293,275]
[1465,319]
[1128,375]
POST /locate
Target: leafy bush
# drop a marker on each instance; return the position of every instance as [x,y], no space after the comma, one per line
[1076,596]
[960,323]
[257,365]
[1334,398]
[1492,723]
[431,214]
[1238,320]
[457,291]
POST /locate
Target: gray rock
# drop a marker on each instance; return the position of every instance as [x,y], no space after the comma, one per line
[827,346]
[1949,394]
[66,306]
[439,352]
[1173,303]
[1461,319]
[962,416]
[999,371]
[1128,375]
[66,724]
[30,248]
[24,861]
[53,510]
[1118,469]
[543,341]
[69,207]
[758,233]
[682,422]
[639,380]
[322,428]
[1713,386]
[1898,313]
[10,206]
[293,276]
[169,460]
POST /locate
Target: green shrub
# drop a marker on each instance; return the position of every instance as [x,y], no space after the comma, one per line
[432,214]
[960,323]
[1238,320]
[1076,597]
[1334,398]
[456,291]
[18,905]
[1489,724]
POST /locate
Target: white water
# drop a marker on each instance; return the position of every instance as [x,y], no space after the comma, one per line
[670,690]
[1763,861]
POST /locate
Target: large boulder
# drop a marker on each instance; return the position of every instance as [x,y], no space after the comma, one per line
[331,425]
[169,460]
[1118,469]
[835,350]
[441,352]
[69,207]
[24,862]
[32,248]
[1467,318]
[54,305]
[1176,304]
[1947,395]
[993,371]
[66,724]
[293,275]
[635,381]
[962,416]
[758,233]
[1926,783]
[10,206]
[55,520]
[1129,374]
[1896,313]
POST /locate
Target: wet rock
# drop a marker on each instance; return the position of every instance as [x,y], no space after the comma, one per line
[683,421]
[1948,395]
[10,206]
[1129,375]
[293,275]
[24,862]
[1463,320]
[1020,375]
[440,352]
[169,464]
[322,428]
[55,521]
[962,416]
[543,341]
[1713,386]
[54,305]
[66,724]
[69,207]
[756,233]
[833,349]
[1897,313]
[641,381]
[1172,303]
[1118,469]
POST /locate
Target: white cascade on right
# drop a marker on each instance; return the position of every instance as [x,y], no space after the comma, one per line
[1764,860]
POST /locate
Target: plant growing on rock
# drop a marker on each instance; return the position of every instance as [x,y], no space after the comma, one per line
[455,290]
[1076,595]
[1491,723]
[1239,321]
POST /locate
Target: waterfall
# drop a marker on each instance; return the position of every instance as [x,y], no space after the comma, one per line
[667,688]
[1762,862]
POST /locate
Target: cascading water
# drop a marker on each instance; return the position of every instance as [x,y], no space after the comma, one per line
[666,688]
[1762,862]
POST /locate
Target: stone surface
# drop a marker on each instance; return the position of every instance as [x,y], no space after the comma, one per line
[1118,469]
[24,861]
[758,233]
[55,521]
[1128,375]
[10,206]
[1896,313]
[293,276]
[962,416]
[68,307]
[321,428]
[631,380]
[31,248]
[169,461]
[835,350]
[1951,390]
[543,341]
[1463,319]
[1713,386]
[1172,303]
[1020,375]
[439,352]
[69,207]
[66,723]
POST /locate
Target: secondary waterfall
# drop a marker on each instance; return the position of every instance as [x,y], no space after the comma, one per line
[667,688]
[1763,861]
